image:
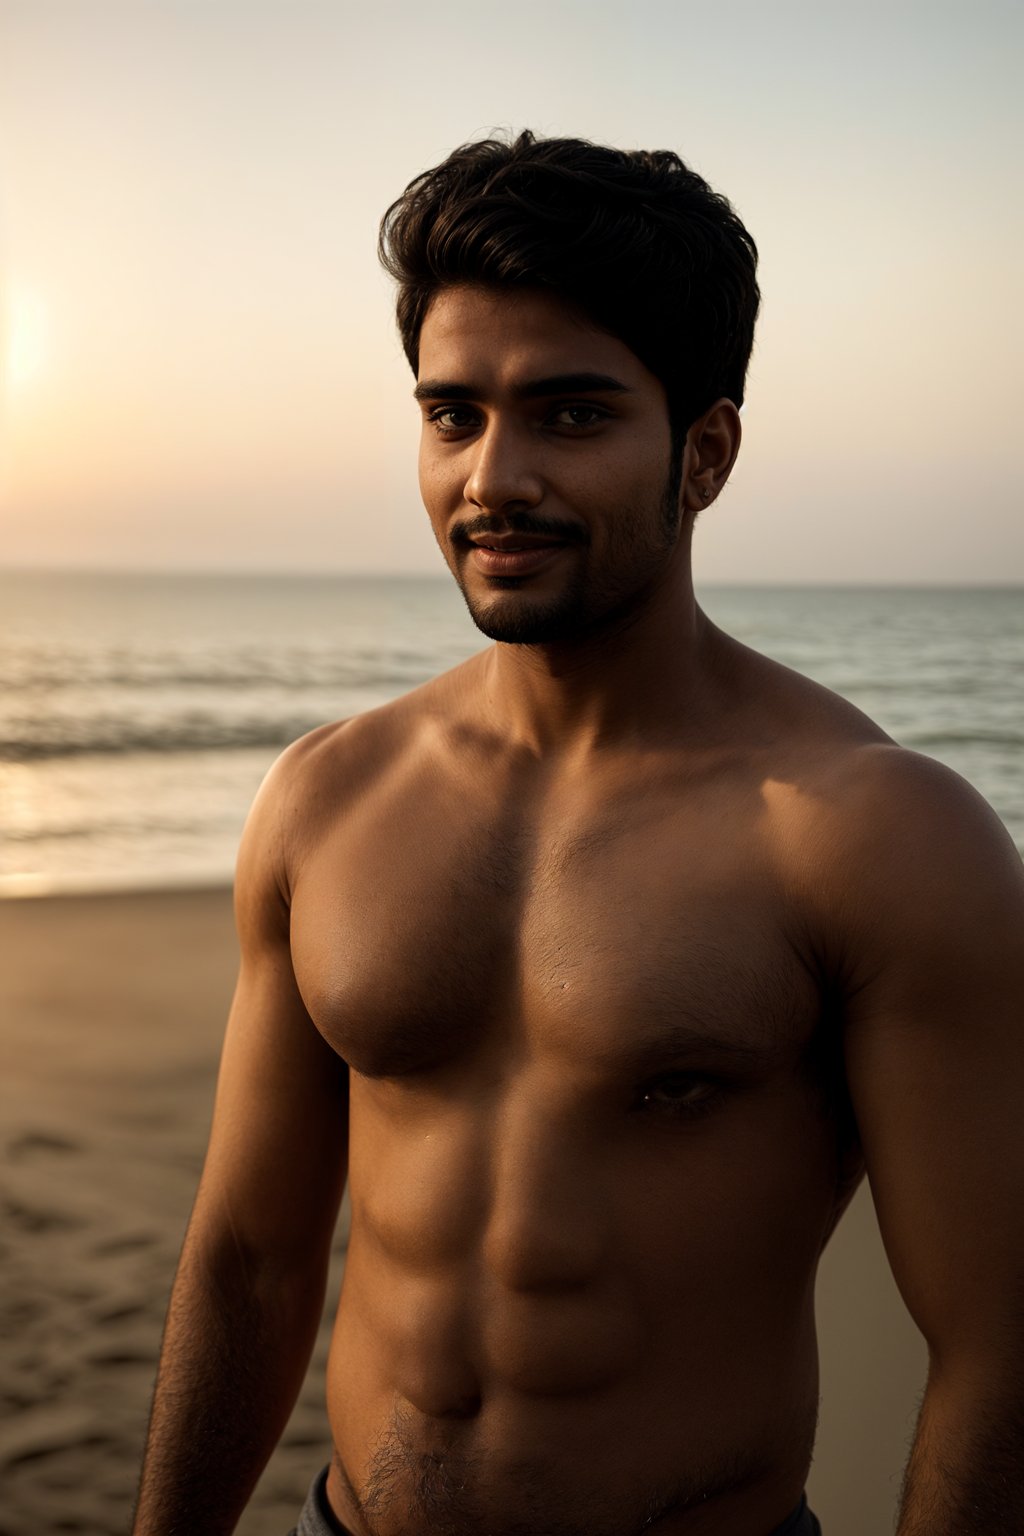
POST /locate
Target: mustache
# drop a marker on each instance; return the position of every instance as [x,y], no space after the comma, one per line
[541,527]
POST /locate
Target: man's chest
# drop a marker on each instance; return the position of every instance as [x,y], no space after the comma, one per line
[419,934]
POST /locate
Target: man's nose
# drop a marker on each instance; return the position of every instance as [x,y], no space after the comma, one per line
[503,473]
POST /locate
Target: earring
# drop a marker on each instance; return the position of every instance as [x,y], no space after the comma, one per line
[705,493]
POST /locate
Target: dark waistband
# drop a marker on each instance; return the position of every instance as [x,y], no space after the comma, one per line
[319,1519]
[802,1522]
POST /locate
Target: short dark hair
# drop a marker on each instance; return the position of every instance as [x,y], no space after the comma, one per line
[633,239]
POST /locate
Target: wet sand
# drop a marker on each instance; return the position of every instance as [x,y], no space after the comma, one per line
[112,1010]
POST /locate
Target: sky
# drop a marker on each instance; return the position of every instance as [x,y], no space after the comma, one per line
[200,369]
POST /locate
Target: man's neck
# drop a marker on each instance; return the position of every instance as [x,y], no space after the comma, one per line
[643,679]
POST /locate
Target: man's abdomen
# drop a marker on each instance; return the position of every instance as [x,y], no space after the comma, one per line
[496,1413]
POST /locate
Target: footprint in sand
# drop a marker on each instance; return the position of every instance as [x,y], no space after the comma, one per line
[126,1312]
[29,1218]
[40,1142]
[130,1242]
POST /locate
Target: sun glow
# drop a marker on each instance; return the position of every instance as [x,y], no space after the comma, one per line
[27,336]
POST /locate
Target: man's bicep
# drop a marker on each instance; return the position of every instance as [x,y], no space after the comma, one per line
[934,1043]
[276,1164]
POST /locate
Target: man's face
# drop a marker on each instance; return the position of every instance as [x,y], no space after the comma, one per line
[544,465]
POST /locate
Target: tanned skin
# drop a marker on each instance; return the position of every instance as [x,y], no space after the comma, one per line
[556,957]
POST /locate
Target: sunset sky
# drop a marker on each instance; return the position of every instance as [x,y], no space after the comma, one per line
[200,367]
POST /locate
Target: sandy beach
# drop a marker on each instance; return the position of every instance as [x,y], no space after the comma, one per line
[112,1011]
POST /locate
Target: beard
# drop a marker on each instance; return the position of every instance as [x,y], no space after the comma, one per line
[536,621]
[590,601]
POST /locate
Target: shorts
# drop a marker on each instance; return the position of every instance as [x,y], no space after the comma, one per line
[318,1518]
[802,1522]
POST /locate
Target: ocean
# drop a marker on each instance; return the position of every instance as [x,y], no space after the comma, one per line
[139,713]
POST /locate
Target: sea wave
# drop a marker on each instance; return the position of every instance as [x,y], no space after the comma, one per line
[946,740]
[109,827]
[124,737]
[397,672]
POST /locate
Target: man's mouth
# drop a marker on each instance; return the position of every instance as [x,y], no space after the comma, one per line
[511,543]
[513,554]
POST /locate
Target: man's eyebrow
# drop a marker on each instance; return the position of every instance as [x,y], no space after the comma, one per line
[572,384]
[533,389]
[441,389]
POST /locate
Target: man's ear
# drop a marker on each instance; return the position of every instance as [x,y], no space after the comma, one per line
[712,444]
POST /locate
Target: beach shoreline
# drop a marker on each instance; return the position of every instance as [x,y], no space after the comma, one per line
[113,1009]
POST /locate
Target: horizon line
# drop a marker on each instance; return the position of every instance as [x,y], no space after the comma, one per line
[932,584]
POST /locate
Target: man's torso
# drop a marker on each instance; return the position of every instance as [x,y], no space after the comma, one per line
[592,1158]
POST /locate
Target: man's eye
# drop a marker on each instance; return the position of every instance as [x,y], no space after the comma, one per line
[451,418]
[683,1094]
[578,416]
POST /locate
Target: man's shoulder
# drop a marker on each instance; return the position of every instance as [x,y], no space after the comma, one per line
[880,798]
[338,754]
[881,840]
[315,780]
[830,767]
[329,769]
[844,804]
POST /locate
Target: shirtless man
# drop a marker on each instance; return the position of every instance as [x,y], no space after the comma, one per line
[601,966]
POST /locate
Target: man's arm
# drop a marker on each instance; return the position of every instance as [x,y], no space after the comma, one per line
[929,925]
[249,1292]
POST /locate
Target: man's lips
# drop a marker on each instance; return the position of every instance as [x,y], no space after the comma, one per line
[513,554]
[515,541]
[512,551]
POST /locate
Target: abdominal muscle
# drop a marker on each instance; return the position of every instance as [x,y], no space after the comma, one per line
[461,1407]
[559,1318]
[450,1416]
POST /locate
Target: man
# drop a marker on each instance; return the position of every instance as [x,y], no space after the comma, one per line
[600,965]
